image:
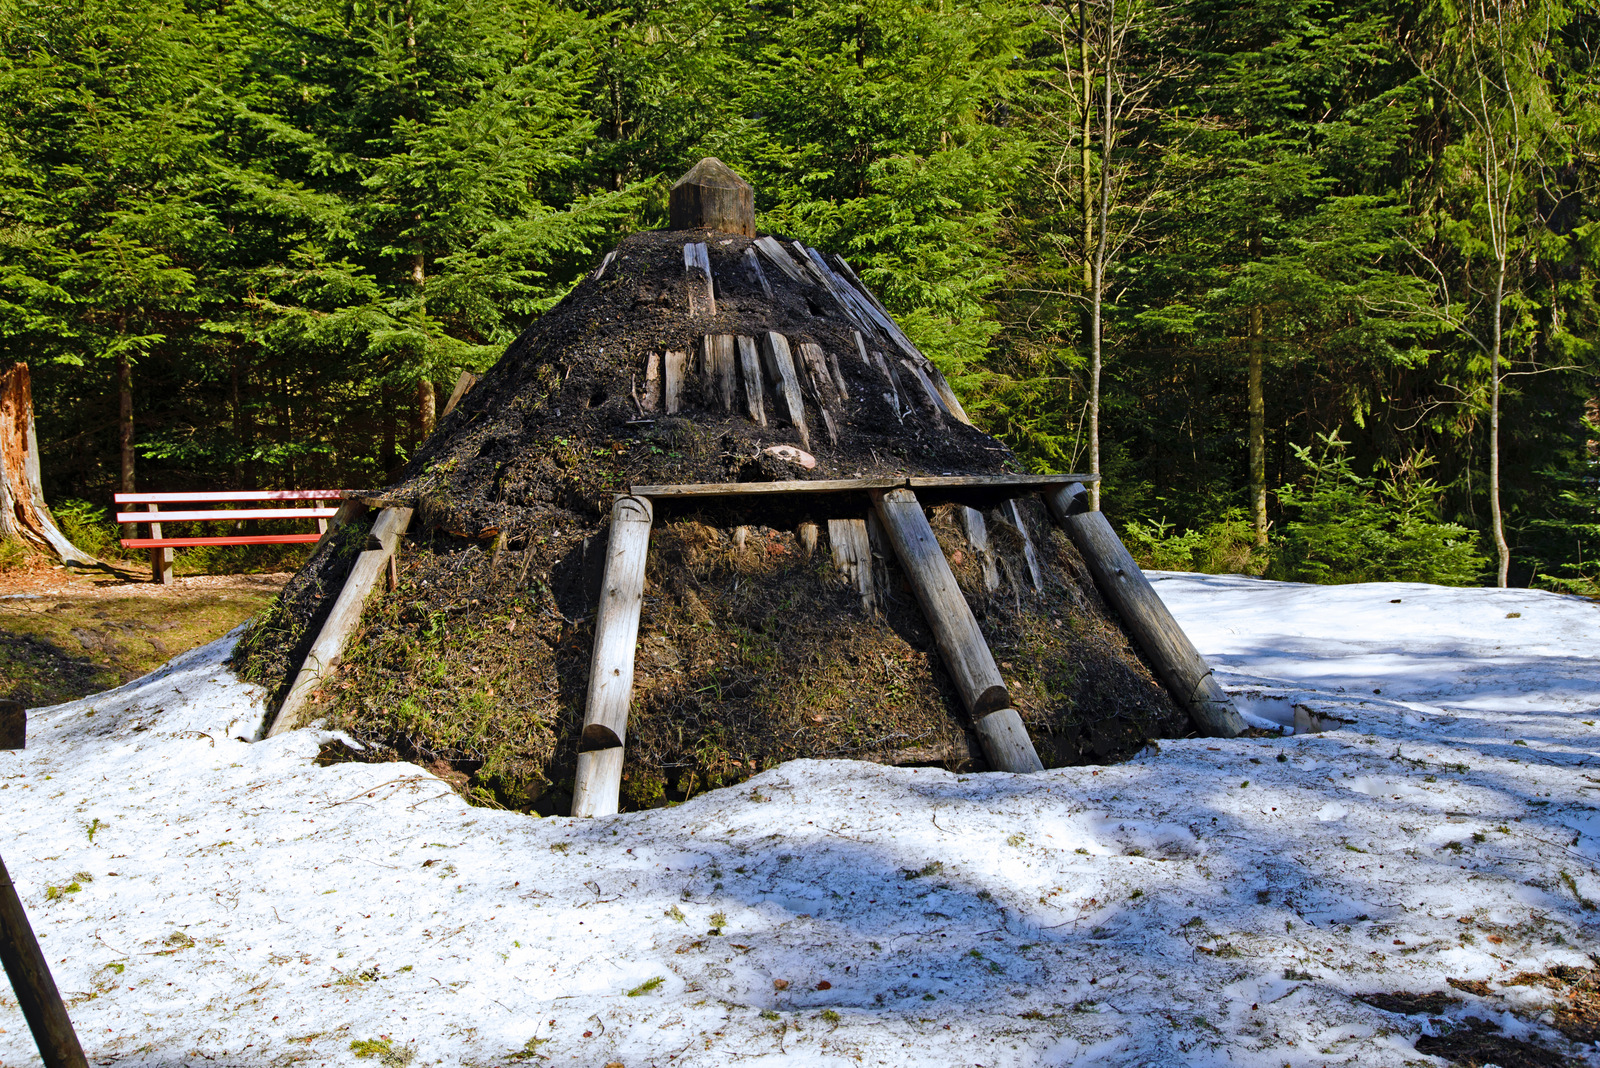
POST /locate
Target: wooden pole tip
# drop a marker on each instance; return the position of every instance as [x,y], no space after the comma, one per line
[711,196]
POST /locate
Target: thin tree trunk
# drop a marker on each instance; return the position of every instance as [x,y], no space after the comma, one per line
[1086,185]
[125,420]
[1496,517]
[427,401]
[1098,279]
[388,458]
[1258,429]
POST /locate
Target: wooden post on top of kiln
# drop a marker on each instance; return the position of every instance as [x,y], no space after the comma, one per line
[711,196]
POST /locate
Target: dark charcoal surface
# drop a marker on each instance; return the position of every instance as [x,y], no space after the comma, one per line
[747,655]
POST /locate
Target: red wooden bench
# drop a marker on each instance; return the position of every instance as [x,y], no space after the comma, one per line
[161,548]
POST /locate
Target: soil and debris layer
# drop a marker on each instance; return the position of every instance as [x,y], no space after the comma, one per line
[752,649]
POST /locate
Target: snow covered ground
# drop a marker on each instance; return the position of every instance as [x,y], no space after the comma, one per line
[1207,903]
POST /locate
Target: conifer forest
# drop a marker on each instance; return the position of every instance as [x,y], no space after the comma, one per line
[1311,284]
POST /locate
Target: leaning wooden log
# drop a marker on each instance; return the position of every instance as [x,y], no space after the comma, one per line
[824,389]
[780,259]
[929,396]
[350,510]
[716,356]
[598,784]
[961,644]
[852,555]
[1014,514]
[467,379]
[750,371]
[697,276]
[24,516]
[1179,665]
[752,264]
[600,271]
[13,725]
[676,365]
[35,988]
[328,649]
[785,383]
[947,396]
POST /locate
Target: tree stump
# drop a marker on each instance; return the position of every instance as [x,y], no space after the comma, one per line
[712,197]
[24,517]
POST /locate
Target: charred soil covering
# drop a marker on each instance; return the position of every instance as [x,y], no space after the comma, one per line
[751,649]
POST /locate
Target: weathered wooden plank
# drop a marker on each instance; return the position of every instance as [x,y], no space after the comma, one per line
[962,648]
[786,384]
[823,389]
[1014,514]
[770,248]
[934,486]
[676,366]
[652,383]
[235,495]
[697,278]
[228,514]
[1180,666]
[852,555]
[849,274]
[464,382]
[616,634]
[753,264]
[328,649]
[929,396]
[947,396]
[902,405]
[838,376]
[750,371]
[717,359]
[977,531]
[29,972]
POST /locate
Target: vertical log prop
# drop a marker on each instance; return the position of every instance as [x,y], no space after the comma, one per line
[716,357]
[24,516]
[326,652]
[750,370]
[1180,666]
[852,555]
[697,276]
[675,365]
[961,645]
[786,384]
[597,788]
[30,977]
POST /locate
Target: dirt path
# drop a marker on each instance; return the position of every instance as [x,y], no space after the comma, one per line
[64,634]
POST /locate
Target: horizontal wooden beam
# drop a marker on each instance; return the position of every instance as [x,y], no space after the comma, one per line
[234,495]
[999,485]
[243,539]
[225,515]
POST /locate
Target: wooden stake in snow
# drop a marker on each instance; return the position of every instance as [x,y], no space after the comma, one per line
[1182,669]
[30,977]
[13,725]
[697,275]
[961,645]
[327,650]
[598,784]
[780,365]
[24,517]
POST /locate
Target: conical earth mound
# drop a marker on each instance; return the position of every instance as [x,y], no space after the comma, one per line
[753,647]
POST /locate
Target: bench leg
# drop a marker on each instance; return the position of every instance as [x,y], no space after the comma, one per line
[160,559]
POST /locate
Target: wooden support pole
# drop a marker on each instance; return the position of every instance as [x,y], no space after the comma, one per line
[13,725]
[160,559]
[750,370]
[326,652]
[675,365]
[1180,666]
[716,358]
[30,977]
[598,784]
[852,555]
[786,384]
[961,645]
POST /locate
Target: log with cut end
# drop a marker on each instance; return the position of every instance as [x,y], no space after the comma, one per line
[697,277]
[852,555]
[1179,665]
[716,355]
[676,366]
[961,644]
[750,371]
[752,263]
[616,633]
[328,649]
[808,538]
[1006,743]
[24,516]
[29,972]
[785,383]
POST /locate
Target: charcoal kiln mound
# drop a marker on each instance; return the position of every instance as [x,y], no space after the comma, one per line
[778,616]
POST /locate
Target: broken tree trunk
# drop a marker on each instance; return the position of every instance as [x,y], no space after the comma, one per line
[24,516]
[1182,669]
[36,991]
[326,652]
[961,644]
[598,784]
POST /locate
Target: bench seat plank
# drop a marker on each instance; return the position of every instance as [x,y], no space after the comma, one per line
[243,539]
[226,515]
[232,495]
